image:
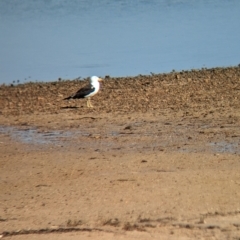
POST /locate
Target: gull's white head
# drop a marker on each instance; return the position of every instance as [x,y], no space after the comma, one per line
[95,79]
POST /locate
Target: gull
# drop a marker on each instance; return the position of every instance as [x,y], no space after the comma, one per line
[87,91]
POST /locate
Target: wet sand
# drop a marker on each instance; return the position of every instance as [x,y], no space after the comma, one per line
[157,157]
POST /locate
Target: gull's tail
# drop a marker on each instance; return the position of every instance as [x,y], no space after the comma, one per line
[67,98]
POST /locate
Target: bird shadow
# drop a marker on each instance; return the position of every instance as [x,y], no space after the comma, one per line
[69,107]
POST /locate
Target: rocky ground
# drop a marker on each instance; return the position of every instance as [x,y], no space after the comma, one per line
[157,157]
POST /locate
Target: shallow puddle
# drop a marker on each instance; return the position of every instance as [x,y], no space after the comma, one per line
[34,136]
[225,147]
[175,142]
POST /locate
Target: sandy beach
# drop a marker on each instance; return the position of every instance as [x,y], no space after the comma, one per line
[158,157]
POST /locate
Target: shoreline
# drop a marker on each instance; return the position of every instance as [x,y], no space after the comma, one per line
[107,76]
[140,93]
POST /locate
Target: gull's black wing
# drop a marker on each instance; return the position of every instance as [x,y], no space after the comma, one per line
[82,92]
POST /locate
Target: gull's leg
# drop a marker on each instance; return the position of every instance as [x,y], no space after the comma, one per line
[90,104]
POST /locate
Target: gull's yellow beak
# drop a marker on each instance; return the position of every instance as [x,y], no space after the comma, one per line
[100,79]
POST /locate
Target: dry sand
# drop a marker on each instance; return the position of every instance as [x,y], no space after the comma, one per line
[157,158]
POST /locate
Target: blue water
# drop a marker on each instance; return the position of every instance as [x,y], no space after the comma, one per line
[42,40]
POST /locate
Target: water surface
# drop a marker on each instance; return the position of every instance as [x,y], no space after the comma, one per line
[47,39]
